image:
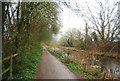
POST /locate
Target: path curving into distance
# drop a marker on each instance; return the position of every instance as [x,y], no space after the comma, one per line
[50,67]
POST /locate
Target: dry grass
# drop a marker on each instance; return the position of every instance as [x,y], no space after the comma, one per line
[87,58]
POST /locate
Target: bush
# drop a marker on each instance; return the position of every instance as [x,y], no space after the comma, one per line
[30,62]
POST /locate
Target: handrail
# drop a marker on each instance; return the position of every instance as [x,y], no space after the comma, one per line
[7,58]
[6,70]
[10,67]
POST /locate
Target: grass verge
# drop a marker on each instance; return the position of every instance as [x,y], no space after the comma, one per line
[74,66]
[30,65]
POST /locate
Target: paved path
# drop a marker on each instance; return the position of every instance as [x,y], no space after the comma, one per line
[51,68]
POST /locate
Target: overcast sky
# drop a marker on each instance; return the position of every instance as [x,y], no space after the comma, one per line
[70,20]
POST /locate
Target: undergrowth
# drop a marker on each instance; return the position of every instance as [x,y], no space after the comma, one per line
[29,68]
[73,65]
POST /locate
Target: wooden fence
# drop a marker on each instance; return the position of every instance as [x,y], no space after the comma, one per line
[10,67]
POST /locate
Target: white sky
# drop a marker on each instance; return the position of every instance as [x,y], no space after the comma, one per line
[70,20]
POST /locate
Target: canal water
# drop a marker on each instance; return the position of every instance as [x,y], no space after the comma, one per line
[111,66]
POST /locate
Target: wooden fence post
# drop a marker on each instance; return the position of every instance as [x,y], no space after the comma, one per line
[11,67]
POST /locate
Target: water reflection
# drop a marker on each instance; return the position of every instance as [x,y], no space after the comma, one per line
[109,66]
[106,65]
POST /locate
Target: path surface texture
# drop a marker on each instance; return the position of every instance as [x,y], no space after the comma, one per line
[52,68]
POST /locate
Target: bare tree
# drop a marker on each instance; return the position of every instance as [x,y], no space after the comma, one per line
[104,21]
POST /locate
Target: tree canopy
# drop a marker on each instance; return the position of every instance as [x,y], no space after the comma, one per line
[26,25]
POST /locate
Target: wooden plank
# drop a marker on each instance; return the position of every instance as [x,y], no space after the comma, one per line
[15,55]
[11,67]
[6,70]
[7,58]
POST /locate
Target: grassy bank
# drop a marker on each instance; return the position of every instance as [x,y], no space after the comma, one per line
[30,63]
[95,52]
[76,67]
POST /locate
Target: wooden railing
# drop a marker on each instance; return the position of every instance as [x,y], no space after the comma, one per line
[10,67]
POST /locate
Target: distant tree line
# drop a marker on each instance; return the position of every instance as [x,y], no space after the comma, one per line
[101,28]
